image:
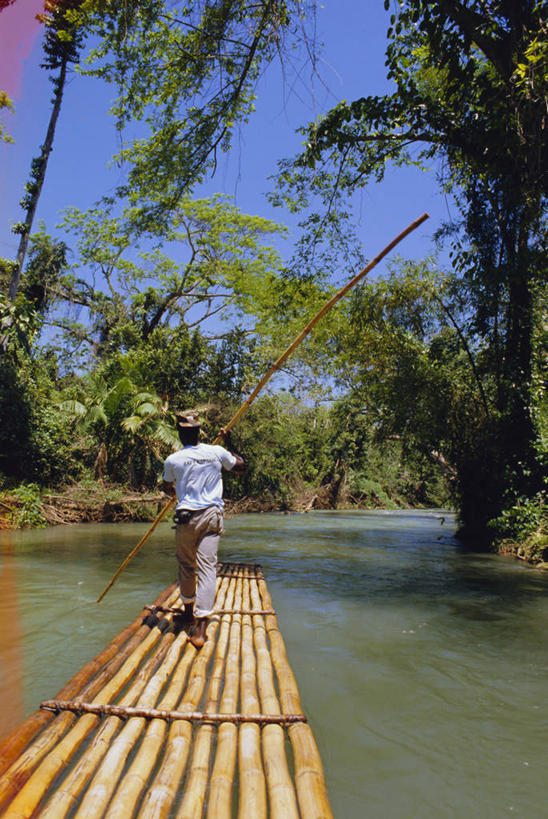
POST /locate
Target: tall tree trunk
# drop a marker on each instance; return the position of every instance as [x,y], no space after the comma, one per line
[519,433]
[340,490]
[37,180]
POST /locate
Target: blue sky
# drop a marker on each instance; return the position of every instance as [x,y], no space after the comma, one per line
[352,65]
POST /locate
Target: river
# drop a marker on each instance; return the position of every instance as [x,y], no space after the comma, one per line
[422,668]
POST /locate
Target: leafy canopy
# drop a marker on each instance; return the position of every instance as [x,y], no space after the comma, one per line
[139,288]
[186,75]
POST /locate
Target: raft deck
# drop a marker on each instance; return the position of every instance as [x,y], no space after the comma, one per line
[154,727]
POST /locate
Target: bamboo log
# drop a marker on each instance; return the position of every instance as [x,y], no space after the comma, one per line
[106,778]
[252,796]
[22,767]
[131,788]
[67,794]
[207,717]
[309,778]
[281,793]
[30,795]
[249,576]
[178,610]
[163,790]
[12,745]
[222,777]
[197,779]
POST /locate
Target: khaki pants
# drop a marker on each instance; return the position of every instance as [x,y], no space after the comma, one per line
[196,545]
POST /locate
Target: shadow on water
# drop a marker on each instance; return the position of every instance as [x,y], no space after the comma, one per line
[11,650]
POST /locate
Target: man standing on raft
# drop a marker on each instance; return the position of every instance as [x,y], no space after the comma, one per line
[193,473]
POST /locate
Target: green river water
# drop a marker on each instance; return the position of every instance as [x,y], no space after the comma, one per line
[422,668]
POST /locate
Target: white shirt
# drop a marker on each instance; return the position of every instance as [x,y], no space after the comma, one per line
[196,472]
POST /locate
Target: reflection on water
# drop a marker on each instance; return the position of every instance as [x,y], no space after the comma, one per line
[11,672]
[422,667]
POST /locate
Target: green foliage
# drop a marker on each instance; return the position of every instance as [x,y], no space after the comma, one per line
[126,404]
[285,447]
[64,34]
[228,272]
[524,528]
[292,449]
[29,512]
[34,445]
[186,74]
[126,419]
[369,491]
[470,95]
[19,325]
[522,519]
[5,102]
[46,263]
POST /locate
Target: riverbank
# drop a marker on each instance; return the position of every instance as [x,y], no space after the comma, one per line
[533,550]
[28,507]
[90,502]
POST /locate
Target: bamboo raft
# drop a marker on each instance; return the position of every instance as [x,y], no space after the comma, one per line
[153,728]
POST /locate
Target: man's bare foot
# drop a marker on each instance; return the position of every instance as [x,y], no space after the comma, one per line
[198,635]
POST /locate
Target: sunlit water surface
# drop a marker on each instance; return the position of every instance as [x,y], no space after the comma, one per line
[422,668]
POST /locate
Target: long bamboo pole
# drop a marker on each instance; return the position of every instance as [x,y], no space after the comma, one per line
[268,375]
[136,549]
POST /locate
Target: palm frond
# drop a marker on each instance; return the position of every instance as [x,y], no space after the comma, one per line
[73,407]
[121,389]
[132,423]
[96,415]
[147,409]
[166,434]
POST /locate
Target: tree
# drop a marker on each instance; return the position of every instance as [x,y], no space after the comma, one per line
[471,91]
[227,270]
[187,74]
[5,102]
[130,426]
[62,43]
[408,359]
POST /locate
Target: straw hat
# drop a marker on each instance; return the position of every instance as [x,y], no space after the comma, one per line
[187,419]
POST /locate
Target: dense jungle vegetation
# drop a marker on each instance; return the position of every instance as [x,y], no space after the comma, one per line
[425,387]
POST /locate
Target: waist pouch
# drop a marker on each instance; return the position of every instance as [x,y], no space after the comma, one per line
[183,516]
